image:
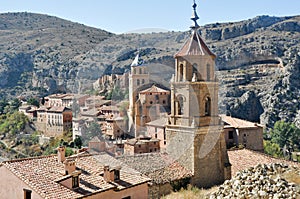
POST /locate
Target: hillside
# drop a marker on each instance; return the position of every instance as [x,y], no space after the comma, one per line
[258,60]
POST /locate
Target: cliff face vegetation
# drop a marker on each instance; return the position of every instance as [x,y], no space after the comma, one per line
[258,60]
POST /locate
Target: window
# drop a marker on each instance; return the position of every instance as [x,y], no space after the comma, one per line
[195,69]
[155,136]
[143,81]
[180,105]
[138,82]
[230,135]
[207,106]
[165,142]
[27,193]
[117,175]
[139,146]
[75,182]
[208,72]
[151,102]
[180,72]
[164,101]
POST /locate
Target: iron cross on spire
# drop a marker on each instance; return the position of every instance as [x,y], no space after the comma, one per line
[194,17]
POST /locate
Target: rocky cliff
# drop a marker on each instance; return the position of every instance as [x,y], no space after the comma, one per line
[257,60]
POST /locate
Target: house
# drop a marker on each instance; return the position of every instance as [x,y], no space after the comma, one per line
[241,132]
[151,104]
[141,145]
[54,121]
[110,111]
[83,175]
[59,100]
[115,127]
[157,129]
[29,111]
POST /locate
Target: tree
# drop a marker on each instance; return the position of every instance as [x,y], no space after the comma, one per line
[78,142]
[92,131]
[286,135]
[3,104]
[33,101]
[272,149]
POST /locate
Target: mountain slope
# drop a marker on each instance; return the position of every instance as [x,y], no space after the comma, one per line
[258,60]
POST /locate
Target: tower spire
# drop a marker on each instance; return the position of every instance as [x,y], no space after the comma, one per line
[194,17]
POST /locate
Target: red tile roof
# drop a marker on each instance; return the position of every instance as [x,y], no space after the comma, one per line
[160,167]
[154,89]
[243,159]
[194,46]
[238,123]
[42,174]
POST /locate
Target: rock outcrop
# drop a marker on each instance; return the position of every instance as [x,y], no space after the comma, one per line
[261,181]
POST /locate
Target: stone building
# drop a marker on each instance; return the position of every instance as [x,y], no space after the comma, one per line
[150,105]
[141,145]
[115,127]
[240,132]
[53,121]
[83,175]
[157,129]
[194,132]
[138,77]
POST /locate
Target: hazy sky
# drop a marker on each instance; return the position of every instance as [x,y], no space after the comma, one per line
[120,16]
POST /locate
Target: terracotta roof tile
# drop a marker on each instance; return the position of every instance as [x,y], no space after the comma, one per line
[194,46]
[154,89]
[42,173]
[243,159]
[157,166]
[238,123]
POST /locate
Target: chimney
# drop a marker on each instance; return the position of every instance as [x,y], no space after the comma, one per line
[111,175]
[70,166]
[61,154]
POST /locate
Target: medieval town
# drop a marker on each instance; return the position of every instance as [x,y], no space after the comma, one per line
[151,140]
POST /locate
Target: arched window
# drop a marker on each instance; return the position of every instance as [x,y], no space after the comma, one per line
[195,69]
[208,72]
[180,105]
[138,82]
[141,72]
[207,106]
[180,72]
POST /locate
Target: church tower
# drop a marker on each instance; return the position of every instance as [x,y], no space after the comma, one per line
[138,77]
[194,133]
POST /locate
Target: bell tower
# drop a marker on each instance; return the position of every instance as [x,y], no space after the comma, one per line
[138,77]
[194,133]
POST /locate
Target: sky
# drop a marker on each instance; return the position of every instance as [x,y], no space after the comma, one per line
[121,16]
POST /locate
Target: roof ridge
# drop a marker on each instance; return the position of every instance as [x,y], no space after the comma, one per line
[29,158]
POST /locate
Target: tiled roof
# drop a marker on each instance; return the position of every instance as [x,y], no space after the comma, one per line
[154,89]
[157,166]
[109,108]
[238,123]
[162,122]
[194,46]
[42,173]
[243,159]
[141,140]
[61,96]
[58,109]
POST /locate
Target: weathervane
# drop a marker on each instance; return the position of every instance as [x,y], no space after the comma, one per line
[194,17]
